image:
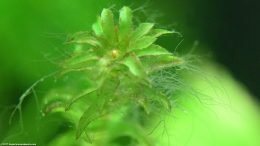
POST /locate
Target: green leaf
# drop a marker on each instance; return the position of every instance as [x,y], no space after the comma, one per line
[142,43]
[154,63]
[97,28]
[81,95]
[134,65]
[88,116]
[107,23]
[83,38]
[78,59]
[153,95]
[125,22]
[152,51]
[82,61]
[142,30]
[158,32]
[54,106]
[55,101]
[109,91]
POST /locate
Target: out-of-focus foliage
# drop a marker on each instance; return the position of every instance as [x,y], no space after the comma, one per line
[213,109]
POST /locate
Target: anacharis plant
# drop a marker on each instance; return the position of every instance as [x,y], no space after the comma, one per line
[108,89]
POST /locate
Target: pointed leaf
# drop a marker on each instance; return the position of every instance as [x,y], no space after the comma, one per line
[83,38]
[156,96]
[154,63]
[54,106]
[80,59]
[142,30]
[125,22]
[158,32]
[97,28]
[55,101]
[152,51]
[79,62]
[134,65]
[88,116]
[107,23]
[142,43]
[86,92]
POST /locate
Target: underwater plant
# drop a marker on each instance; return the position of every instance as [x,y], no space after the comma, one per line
[108,87]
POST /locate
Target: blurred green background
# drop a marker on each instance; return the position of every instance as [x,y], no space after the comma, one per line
[31,40]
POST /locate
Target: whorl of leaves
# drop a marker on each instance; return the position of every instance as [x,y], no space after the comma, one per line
[117,59]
